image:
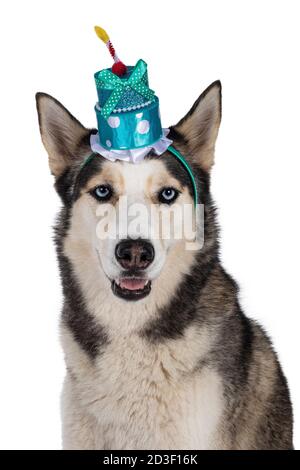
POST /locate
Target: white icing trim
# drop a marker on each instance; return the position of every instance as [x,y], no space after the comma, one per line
[133,156]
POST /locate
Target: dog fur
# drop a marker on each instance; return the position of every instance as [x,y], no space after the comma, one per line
[183,368]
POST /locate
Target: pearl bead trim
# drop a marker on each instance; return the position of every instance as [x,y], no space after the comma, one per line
[130,108]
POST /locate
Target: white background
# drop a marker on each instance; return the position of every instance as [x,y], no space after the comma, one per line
[49,45]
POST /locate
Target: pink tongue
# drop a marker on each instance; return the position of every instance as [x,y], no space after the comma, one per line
[132,284]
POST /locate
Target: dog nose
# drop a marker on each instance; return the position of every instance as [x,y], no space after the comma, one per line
[137,254]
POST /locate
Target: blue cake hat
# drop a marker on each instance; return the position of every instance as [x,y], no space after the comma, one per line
[128,117]
[127,111]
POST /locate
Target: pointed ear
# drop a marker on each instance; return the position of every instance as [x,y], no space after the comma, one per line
[64,138]
[198,130]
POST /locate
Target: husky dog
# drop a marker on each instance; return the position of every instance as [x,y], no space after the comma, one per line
[159,354]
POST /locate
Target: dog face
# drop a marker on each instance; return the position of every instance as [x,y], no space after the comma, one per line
[138,204]
[120,219]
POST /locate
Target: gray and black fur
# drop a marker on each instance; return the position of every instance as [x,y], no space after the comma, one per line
[258,411]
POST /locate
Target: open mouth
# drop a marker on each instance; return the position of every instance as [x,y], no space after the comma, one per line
[131,288]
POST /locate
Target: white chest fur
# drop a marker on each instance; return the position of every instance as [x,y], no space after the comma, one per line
[142,396]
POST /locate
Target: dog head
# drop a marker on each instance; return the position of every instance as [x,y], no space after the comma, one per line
[114,253]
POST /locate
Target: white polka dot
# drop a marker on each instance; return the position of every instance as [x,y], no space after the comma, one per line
[139,115]
[108,143]
[143,127]
[113,121]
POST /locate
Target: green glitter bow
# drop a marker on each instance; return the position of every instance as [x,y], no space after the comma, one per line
[110,81]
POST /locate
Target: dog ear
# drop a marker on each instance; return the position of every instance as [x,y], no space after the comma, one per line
[198,130]
[64,138]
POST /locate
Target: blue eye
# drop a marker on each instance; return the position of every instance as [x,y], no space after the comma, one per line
[168,195]
[102,192]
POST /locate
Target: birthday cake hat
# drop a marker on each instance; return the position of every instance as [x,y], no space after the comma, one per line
[127,111]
